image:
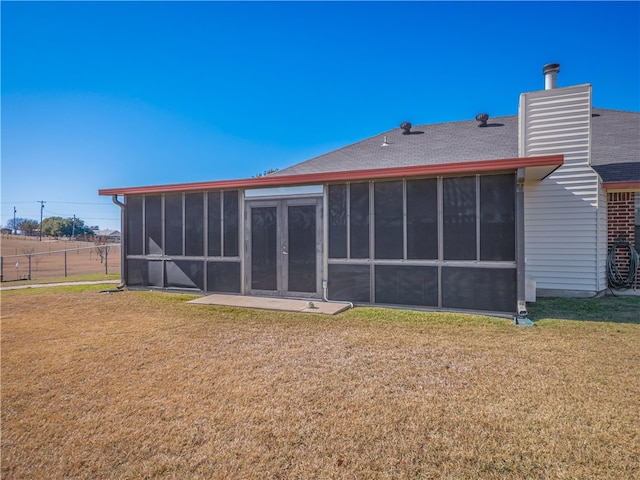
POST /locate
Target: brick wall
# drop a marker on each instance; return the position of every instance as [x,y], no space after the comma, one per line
[621,226]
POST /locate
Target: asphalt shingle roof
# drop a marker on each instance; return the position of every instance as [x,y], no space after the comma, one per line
[619,172]
[616,145]
[616,140]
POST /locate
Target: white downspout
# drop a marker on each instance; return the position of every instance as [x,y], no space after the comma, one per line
[123,280]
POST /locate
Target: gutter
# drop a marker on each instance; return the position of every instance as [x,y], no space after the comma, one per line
[542,165]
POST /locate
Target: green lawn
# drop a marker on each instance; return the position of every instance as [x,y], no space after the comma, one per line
[621,309]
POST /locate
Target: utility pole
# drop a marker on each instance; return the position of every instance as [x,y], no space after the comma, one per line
[42,202]
[15,229]
[73,227]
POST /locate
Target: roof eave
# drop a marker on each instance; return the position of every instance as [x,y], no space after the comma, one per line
[536,168]
[631,185]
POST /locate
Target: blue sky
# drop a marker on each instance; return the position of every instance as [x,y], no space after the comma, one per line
[114,94]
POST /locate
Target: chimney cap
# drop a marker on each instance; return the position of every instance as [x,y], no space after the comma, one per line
[551,68]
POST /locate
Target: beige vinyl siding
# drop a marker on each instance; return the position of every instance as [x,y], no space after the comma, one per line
[562,212]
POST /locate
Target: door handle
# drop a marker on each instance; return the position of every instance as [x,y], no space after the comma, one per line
[284,250]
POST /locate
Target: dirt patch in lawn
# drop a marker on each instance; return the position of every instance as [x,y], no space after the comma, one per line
[142,385]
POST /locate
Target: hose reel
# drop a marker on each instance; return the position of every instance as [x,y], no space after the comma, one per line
[615,277]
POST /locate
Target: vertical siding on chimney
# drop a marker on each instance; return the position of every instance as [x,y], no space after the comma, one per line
[564,212]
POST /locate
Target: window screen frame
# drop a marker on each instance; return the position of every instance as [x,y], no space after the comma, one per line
[194,231]
[135,236]
[413,220]
[501,232]
[359,233]
[462,225]
[174,225]
[433,192]
[153,228]
[231,223]
[385,222]
[338,220]
[223,240]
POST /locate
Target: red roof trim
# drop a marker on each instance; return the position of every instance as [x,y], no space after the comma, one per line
[617,185]
[324,177]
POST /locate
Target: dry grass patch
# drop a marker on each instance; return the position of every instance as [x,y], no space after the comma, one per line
[141,385]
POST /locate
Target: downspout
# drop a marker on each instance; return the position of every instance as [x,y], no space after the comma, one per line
[520,318]
[123,280]
[324,295]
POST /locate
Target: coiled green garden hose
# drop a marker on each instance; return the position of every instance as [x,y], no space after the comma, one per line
[616,279]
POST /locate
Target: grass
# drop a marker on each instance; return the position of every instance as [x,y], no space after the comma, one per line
[605,309]
[142,385]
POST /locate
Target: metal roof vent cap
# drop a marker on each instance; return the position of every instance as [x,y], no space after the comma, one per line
[550,72]
[406,126]
[482,118]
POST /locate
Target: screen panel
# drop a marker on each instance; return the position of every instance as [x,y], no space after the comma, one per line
[153,224]
[194,224]
[136,272]
[498,217]
[155,274]
[264,230]
[185,274]
[490,289]
[223,277]
[359,220]
[422,219]
[302,248]
[406,285]
[337,221]
[214,224]
[388,220]
[173,224]
[459,218]
[231,223]
[144,273]
[350,283]
[134,225]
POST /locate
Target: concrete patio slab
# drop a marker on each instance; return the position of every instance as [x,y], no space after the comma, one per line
[271,303]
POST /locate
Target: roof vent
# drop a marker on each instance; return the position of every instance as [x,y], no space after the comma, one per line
[550,72]
[406,126]
[482,118]
[385,144]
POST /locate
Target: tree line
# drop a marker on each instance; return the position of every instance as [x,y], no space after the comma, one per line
[51,226]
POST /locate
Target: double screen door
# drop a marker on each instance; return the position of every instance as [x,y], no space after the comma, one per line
[284,247]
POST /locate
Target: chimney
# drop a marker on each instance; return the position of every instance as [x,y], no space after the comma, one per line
[550,71]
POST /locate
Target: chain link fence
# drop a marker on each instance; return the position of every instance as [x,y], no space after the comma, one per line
[34,265]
